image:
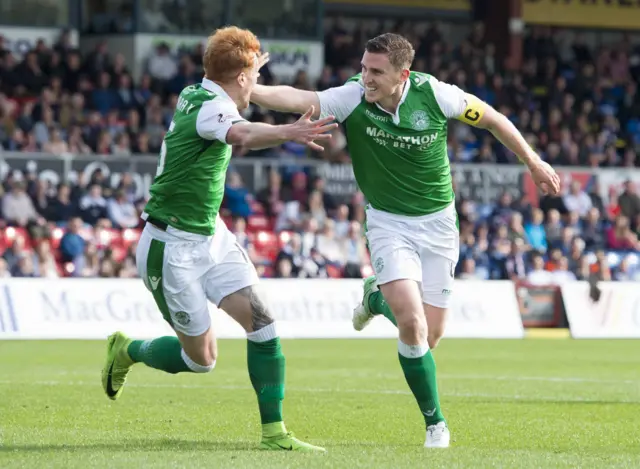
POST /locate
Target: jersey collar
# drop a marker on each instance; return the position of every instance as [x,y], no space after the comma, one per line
[214,87]
[396,116]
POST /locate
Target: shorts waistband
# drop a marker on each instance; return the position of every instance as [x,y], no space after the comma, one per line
[449,210]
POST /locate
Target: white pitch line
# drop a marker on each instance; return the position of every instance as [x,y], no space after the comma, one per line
[518,397]
[546,379]
[446,376]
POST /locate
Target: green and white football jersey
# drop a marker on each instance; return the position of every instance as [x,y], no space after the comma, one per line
[400,160]
[189,184]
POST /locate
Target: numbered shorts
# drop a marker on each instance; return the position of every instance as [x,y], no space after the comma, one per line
[424,249]
[183,275]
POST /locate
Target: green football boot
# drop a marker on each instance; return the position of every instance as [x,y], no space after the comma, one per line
[117,366]
[288,442]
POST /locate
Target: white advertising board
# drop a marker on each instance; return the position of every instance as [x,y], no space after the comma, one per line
[94,308]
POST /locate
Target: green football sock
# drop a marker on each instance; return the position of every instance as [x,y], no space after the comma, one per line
[420,372]
[266,365]
[377,305]
[163,353]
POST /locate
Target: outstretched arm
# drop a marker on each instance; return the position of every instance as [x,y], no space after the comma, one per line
[285,99]
[465,107]
[339,101]
[256,135]
[220,120]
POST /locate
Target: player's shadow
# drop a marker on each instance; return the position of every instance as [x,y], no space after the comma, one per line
[128,445]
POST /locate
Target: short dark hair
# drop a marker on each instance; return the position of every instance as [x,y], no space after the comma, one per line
[398,48]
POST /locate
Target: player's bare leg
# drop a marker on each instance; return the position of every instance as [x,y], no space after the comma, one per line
[266,365]
[419,367]
[436,322]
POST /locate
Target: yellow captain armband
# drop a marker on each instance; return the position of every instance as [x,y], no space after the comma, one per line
[473,111]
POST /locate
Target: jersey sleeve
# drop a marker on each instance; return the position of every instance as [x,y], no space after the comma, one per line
[455,103]
[215,118]
[340,101]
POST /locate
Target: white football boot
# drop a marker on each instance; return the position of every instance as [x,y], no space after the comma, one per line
[362,315]
[438,436]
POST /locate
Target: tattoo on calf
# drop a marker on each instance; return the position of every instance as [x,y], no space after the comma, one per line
[260,316]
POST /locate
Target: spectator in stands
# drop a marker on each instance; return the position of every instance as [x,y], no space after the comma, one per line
[161,65]
[93,206]
[41,197]
[55,144]
[328,246]
[72,246]
[24,266]
[577,200]
[516,263]
[536,235]
[44,262]
[561,273]
[469,271]
[565,241]
[271,196]
[342,224]
[592,230]
[328,201]
[104,98]
[4,270]
[61,208]
[299,191]
[17,207]
[538,275]
[309,234]
[574,221]
[600,270]
[12,255]
[503,210]
[627,270]
[354,251]
[500,250]
[314,266]
[316,209]
[620,236]
[122,213]
[629,201]
[284,268]
[553,227]
[515,229]
[237,197]
[292,252]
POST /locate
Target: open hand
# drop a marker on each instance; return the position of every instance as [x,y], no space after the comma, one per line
[262,60]
[306,131]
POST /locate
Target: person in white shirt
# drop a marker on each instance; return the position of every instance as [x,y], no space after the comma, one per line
[577,200]
[538,275]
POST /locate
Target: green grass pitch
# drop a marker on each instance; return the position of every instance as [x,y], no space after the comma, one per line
[529,403]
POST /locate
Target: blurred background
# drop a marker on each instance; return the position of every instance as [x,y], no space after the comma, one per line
[88,87]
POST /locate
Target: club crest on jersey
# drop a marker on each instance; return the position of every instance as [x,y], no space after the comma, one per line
[378,265]
[182,317]
[419,120]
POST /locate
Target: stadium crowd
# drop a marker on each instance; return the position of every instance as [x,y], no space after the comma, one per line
[575,105]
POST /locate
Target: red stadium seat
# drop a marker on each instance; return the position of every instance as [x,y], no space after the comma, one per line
[130,236]
[11,233]
[266,244]
[285,237]
[107,237]
[258,222]
[56,236]
[366,271]
[334,271]
[257,208]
